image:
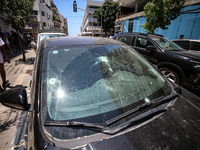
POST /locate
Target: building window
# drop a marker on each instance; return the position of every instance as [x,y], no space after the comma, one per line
[48,17]
[35,12]
[44,24]
[43,14]
[42,1]
[90,24]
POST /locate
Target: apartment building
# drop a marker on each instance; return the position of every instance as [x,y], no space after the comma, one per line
[131,19]
[42,9]
[48,17]
[89,25]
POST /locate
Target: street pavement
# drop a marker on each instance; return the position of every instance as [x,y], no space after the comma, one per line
[13,123]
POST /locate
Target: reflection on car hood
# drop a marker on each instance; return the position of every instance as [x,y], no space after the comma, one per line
[178,128]
[189,54]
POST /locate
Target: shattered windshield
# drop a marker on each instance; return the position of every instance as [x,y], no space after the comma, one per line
[165,43]
[87,81]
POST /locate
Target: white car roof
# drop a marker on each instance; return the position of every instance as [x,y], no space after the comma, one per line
[194,40]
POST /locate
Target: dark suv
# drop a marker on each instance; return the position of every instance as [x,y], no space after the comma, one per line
[176,64]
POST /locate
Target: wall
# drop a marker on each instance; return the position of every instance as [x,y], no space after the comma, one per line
[188,23]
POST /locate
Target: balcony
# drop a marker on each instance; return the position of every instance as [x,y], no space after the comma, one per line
[57,24]
[55,10]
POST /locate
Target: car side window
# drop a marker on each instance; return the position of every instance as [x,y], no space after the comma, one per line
[142,42]
[126,39]
[183,44]
[195,46]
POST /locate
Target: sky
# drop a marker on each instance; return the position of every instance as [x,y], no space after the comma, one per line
[74,19]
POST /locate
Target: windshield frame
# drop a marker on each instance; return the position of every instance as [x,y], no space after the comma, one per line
[135,52]
[43,97]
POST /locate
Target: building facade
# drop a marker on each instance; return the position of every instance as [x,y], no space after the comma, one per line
[89,25]
[188,23]
[42,10]
[47,16]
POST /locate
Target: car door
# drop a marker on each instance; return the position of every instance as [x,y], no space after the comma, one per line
[140,44]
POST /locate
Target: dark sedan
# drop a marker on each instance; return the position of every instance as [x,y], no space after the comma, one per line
[96,93]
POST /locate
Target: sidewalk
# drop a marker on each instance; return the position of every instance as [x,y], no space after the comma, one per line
[18,73]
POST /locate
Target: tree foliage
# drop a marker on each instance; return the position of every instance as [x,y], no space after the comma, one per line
[17,14]
[109,12]
[159,13]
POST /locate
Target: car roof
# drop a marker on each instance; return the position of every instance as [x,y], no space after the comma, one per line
[80,40]
[52,33]
[194,40]
[135,33]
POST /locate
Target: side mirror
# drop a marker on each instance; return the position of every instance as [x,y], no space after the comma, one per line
[33,45]
[15,98]
[151,48]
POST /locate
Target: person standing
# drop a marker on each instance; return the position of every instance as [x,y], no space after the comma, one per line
[15,39]
[5,39]
[28,37]
[181,36]
[2,70]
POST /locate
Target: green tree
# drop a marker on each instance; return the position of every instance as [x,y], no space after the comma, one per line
[109,12]
[17,14]
[159,13]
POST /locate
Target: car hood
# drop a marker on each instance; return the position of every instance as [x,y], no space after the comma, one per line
[190,54]
[177,128]
[193,51]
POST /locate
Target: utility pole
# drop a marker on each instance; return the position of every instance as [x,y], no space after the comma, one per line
[75,10]
[101,23]
[136,6]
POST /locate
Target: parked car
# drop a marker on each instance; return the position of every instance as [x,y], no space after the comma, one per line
[46,33]
[97,93]
[180,66]
[188,44]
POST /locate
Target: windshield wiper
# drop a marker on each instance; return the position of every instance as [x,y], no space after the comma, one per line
[142,106]
[104,127]
[74,123]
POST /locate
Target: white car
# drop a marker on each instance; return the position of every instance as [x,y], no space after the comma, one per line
[44,34]
[188,44]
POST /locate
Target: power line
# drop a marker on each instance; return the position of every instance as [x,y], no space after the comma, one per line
[74,16]
[74,23]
